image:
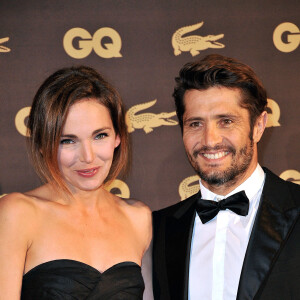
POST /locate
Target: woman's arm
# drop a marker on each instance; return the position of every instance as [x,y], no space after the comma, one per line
[147,274]
[16,220]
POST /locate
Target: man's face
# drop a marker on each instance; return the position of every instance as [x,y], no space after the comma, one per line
[216,133]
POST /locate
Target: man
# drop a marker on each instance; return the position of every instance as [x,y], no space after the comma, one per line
[244,247]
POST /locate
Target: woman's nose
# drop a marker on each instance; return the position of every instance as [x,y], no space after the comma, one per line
[87,153]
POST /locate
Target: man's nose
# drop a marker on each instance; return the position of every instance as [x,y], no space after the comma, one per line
[212,135]
[87,152]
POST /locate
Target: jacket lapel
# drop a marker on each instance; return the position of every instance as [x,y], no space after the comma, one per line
[275,219]
[179,231]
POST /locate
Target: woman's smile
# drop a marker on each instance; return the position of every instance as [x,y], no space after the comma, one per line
[87,173]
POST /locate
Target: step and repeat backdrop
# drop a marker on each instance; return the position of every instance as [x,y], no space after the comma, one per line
[137,46]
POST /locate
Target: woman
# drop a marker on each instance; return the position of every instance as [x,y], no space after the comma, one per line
[71,238]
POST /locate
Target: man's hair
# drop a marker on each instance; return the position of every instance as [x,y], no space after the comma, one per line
[219,71]
[49,112]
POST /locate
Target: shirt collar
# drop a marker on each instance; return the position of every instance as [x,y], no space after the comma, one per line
[251,186]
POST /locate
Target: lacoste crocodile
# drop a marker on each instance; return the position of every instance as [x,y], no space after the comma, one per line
[3,48]
[194,43]
[147,121]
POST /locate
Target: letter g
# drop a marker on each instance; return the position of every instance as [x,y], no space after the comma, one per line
[293,37]
[85,45]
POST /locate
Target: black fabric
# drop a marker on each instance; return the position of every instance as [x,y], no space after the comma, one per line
[207,209]
[69,279]
[271,266]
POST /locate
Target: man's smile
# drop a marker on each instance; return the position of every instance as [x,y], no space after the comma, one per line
[215,155]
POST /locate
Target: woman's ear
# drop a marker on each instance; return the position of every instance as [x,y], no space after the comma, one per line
[117,141]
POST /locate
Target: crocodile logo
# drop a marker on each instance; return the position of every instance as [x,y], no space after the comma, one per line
[147,121]
[194,43]
[3,48]
[188,187]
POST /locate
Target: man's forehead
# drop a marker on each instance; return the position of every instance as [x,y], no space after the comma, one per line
[214,90]
[213,103]
[214,95]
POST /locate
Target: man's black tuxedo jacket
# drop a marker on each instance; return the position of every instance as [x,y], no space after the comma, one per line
[271,267]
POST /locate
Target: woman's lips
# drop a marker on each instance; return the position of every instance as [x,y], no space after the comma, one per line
[88,172]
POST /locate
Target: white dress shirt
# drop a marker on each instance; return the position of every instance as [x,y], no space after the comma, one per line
[218,247]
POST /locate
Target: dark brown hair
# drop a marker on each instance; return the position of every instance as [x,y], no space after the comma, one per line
[217,70]
[48,115]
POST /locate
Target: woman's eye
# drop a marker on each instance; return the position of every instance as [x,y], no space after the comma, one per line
[101,136]
[66,142]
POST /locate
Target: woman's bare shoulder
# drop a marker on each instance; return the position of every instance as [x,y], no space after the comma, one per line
[18,222]
[16,205]
[15,199]
[136,206]
[136,203]
[141,216]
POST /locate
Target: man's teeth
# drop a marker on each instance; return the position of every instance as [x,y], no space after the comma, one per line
[215,155]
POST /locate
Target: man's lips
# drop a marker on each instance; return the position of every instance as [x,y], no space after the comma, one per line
[216,155]
[88,172]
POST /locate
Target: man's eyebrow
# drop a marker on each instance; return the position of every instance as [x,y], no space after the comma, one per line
[216,117]
[193,119]
[220,116]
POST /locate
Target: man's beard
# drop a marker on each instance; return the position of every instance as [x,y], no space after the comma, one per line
[239,164]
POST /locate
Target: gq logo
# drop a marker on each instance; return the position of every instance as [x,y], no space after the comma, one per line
[20,118]
[286,37]
[273,113]
[188,187]
[291,175]
[87,43]
[119,188]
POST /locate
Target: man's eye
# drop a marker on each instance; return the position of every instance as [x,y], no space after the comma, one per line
[66,142]
[227,122]
[195,124]
[101,136]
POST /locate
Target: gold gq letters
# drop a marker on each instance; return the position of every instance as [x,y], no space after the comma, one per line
[87,43]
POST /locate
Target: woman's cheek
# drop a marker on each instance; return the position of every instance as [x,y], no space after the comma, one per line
[66,157]
[105,152]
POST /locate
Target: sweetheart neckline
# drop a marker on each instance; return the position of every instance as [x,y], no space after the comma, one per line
[119,264]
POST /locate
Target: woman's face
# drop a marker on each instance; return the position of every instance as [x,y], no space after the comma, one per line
[87,146]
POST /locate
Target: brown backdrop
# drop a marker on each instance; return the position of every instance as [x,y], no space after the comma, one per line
[130,43]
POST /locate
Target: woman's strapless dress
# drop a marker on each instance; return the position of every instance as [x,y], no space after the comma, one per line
[66,279]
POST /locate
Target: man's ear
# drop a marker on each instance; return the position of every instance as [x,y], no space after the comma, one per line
[259,126]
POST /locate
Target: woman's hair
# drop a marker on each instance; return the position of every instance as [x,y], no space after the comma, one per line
[48,115]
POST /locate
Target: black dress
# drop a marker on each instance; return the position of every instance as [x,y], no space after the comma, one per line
[66,279]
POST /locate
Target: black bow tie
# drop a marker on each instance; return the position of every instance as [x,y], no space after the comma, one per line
[207,209]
